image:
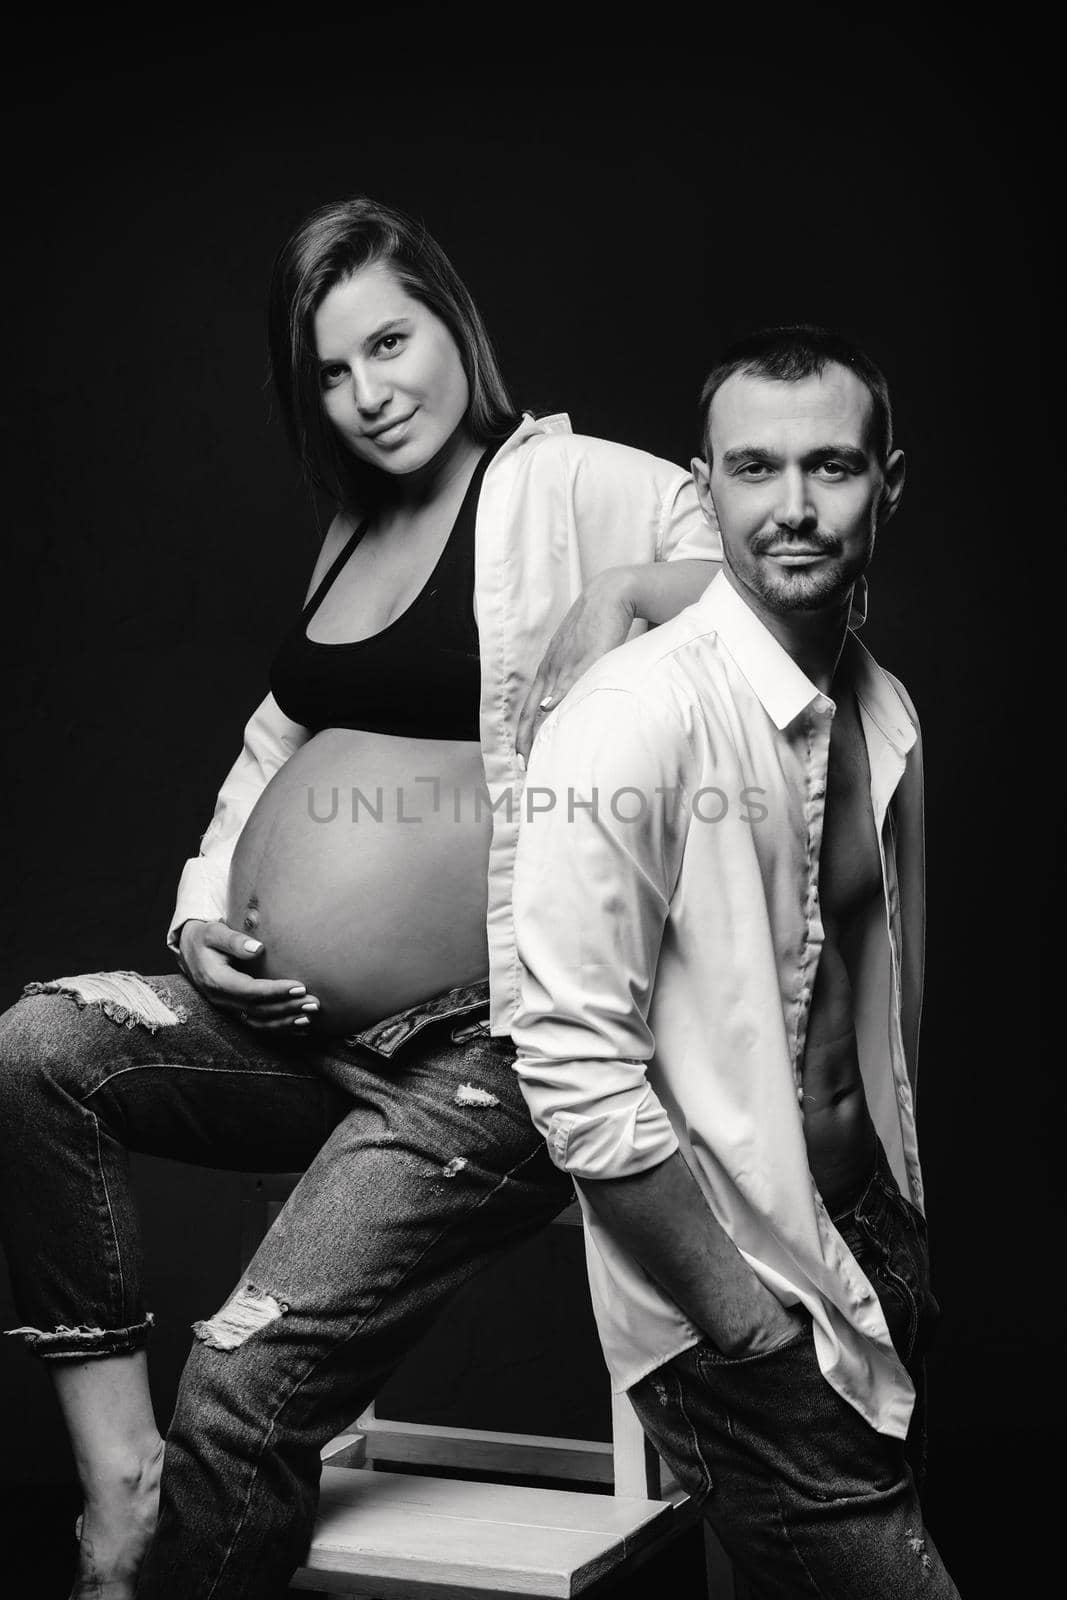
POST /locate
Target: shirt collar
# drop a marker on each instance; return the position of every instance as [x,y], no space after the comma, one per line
[772,674]
[781,687]
[558,422]
[879,696]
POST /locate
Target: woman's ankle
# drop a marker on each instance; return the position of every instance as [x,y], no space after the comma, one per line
[128,1469]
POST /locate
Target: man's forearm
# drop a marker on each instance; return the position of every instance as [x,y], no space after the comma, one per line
[658,590]
[662,1219]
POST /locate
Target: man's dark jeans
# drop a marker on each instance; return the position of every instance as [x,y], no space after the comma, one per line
[421,1165]
[805,1496]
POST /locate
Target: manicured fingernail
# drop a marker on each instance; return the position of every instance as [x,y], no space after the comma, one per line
[547,703]
[301,1022]
[521,759]
[310,1005]
[253,946]
[298,989]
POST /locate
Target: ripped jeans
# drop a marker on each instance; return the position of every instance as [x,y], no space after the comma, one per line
[805,1496]
[421,1164]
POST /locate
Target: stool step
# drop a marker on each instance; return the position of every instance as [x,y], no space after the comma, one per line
[525,1454]
[394,1534]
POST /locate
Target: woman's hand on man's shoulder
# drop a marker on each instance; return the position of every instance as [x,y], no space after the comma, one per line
[598,621]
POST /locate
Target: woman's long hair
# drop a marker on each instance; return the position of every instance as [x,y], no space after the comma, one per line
[328,247]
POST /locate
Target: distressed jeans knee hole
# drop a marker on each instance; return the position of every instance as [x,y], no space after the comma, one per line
[247,1311]
[125,998]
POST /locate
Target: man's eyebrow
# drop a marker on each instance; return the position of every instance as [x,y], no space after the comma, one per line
[851,454]
[749,452]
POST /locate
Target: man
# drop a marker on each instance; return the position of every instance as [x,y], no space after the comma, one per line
[718,899]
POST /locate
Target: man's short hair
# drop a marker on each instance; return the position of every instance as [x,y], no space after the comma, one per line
[791,354]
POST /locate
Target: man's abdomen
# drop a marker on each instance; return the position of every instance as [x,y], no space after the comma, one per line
[838,1130]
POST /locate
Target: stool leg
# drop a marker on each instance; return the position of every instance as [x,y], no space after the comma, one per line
[637,1465]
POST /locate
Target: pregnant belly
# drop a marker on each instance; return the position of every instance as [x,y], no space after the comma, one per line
[362,868]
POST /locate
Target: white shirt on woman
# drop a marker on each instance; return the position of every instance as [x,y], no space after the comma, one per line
[555,509]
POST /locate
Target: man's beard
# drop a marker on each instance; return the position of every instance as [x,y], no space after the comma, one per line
[786,589]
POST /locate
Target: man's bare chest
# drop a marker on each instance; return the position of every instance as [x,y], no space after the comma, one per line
[850,872]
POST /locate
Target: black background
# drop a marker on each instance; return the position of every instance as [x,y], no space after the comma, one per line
[622,192]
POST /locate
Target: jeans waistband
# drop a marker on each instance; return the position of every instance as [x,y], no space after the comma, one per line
[881,1175]
[385,1038]
[502,1043]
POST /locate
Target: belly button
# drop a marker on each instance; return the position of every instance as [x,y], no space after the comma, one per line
[251,920]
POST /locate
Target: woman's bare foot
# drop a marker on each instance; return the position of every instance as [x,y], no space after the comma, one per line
[114,1531]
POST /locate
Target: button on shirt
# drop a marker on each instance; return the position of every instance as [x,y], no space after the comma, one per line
[666,906]
[555,509]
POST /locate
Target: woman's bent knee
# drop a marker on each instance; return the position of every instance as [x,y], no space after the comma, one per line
[65,1030]
[33,1044]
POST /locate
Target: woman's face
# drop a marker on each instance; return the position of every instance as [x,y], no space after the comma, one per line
[392,381]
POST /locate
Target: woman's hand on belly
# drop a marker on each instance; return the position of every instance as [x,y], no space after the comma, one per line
[209,951]
[364,865]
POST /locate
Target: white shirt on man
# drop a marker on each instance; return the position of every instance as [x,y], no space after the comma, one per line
[666,908]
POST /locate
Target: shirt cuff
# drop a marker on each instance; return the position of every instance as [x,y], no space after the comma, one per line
[618,1137]
[197,899]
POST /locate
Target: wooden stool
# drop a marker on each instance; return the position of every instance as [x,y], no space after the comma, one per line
[397,1534]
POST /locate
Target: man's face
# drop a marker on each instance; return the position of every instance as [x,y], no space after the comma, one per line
[797,489]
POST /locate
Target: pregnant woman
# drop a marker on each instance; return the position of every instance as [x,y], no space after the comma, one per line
[344,935]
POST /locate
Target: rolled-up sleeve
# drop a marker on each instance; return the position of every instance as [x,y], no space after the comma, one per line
[599,851]
[270,738]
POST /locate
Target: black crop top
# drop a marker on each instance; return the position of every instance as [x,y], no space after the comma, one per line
[420,676]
